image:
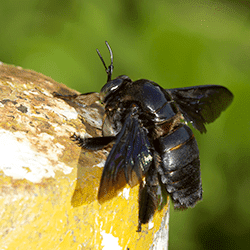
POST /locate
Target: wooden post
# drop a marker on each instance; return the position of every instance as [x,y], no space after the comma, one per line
[48,185]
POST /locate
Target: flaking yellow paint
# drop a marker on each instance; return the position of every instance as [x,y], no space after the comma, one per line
[49,221]
[59,211]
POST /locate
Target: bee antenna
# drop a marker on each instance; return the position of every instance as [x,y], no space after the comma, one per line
[110,68]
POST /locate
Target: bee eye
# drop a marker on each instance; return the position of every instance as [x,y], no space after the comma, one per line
[111,87]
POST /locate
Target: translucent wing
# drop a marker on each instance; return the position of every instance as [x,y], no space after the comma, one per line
[129,158]
[201,104]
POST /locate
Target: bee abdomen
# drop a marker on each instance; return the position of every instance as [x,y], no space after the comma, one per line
[180,167]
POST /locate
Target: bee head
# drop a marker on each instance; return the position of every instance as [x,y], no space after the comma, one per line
[111,86]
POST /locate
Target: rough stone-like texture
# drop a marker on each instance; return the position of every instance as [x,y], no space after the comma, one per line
[48,185]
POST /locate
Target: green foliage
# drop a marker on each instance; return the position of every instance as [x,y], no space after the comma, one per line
[176,44]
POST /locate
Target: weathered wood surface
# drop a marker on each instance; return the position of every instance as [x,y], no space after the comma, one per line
[48,185]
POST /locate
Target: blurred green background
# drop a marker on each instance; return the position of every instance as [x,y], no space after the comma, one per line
[176,44]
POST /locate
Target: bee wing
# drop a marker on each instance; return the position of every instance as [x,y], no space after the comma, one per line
[128,160]
[201,104]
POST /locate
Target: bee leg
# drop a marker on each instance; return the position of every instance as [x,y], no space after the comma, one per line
[94,143]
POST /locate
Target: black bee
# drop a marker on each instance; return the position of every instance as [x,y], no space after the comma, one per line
[153,146]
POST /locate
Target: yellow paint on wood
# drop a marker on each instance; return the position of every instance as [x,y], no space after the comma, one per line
[46,219]
[59,209]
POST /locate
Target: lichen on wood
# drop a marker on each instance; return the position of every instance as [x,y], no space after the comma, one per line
[48,185]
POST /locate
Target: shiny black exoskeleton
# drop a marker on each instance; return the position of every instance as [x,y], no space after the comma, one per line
[153,146]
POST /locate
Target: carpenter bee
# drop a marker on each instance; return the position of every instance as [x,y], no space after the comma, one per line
[152,145]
